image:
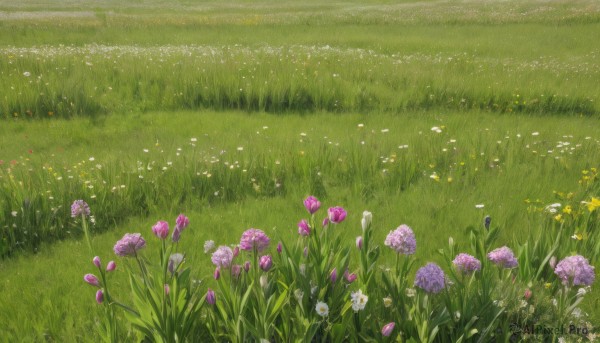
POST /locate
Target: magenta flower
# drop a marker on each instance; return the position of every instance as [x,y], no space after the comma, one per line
[359,242]
[325,221]
[129,245]
[387,329]
[247,266]
[336,214]
[96,261]
[430,278]
[333,275]
[79,207]
[217,273]
[312,204]
[111,266]
[99,296]
[254,239]
[211,299]
[466,263]
[503,257]
[91,279]
[527,294]
[182,222]
[279,248]
[236,251]
[575,271]
[222,257]
[402,240]
[303,228]
[350,277]
[161,229]
[265,263]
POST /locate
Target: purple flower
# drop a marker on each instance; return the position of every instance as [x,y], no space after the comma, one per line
[99,296]
[312,204]
[333,275]
[387,329]
[96,261]
[182,222]
[265,263]
[430,278]
[111,266]
[359,242]
[402,240]
[466,263]
[279,247]
[222,257]
[254,238]
[350,277]
[575,271]
[325,221]
[303,228]
[217,273]
[247,266]
[176,235]
[79,207]
[211,299]
[91,279]
[161,229]
[236,251]
[174,262]
[129,244]
[336,214]
[236,269]
[503,257]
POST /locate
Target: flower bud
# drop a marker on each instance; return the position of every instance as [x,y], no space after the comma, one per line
[161,229]
[91,279]
[303,228]
[350,277]
[246,266]
[359,242]
[236,269]
[312,204]
[217,273]
[528,294]
[167,289]
[333,275]
[111,266]
[99,296]
[387,329]
[97,262]
[182,222]
[236,251]
[264,281]
[552,262]
[211,299]
[487,221]
[265,263]
[366,220]
[279,248]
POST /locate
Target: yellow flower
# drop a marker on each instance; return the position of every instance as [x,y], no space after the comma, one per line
[594,204]
[577,236]
[450,180]
[547,285]
[567,209]
[558,217]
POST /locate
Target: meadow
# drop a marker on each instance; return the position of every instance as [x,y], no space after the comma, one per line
[431,114]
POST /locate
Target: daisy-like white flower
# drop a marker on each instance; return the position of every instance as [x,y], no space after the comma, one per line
[359,300]
[322,309]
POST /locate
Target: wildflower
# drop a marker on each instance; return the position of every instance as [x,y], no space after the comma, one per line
[350,277]
[303,228]
[581,292]
[111,266]
[265,263]
[129,245]
[402,240]
[575,271]
[479,206]
[528,294]
[247,266]
[78,208]
[322,309]
[236,270]
[99,296]
[209,246]
[91,279]
[236,251]
[254,238]
[366,220]
[333,275]
[298,294]
[359,242]
[487,221]
[503,257]
[312,204]
[387,301]
[210,297]
[387,329]
[161,229]
[279,248]
[430,278]
[359,300]
[174,262]
[336,214]
[325,221]
[217,273]
[593,204]
[222,257]
[167,289]
[96,261]
[14,213]
[182,222]
[466,263]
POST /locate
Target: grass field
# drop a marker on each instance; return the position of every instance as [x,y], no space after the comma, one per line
[234,112]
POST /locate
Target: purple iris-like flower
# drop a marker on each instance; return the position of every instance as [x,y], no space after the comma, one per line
[430,278]
[312,204]
[254,238]
[79,207]
[503,257]
[336,214]
[575,271]
[129,244]
[402,240]
[466,263]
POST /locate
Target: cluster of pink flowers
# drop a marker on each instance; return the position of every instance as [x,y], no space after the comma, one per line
[129,244]
[254,238]
[78,208]
[402,240]
[575,271]
[222,257]
[466,264]
[503,257]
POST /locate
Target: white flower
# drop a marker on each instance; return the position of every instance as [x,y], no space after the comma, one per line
[436,129]
[359,300]
[581,292]
[411,292]
[366,220]
[209,246]
[479,206]
[302,269]
[27,74]
[193,140]
[299,294]
[535,133]
[14,213]
[322,309]
[387,301]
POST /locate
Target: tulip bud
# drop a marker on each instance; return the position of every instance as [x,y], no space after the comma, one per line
[312,204]
[99,296]
[161,229]
[359,242]
[387,329]
[97,262]
[265,263]
[279,247]
[217,273]
[528,294]
[333,275]
[91,279]
[182,222]
[236,251]
[111,266]
[366,220]
[303,228]
[211,299]
[246,266]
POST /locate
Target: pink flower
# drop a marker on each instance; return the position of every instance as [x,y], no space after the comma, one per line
[182,222]
[222,257]
[350,277]
[79,208]
[359,242]
[528,294]
[402,240]
[312,204]
[211,299]
[99,296]
[236,269]
[265,263]
[217,273]
[503,257]
[279,248]
[129,245]
[387,329]
[111,266]
[247,266]
[254,239]
[91,279]
[97,262]
[333,275]
[161,229]
[466,263]
[575,271]
[167,289]
[336,214]
[325,221]
[303,228]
